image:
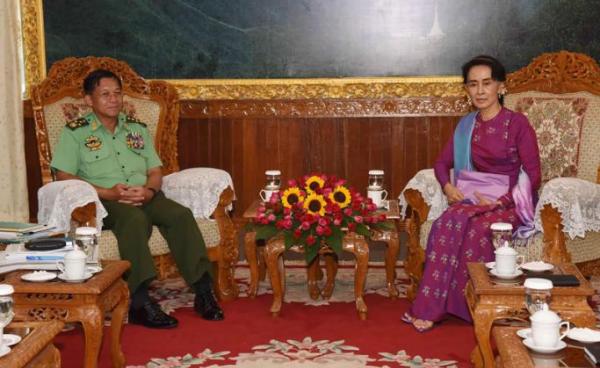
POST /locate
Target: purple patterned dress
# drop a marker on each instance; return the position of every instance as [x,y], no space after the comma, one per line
[462,233]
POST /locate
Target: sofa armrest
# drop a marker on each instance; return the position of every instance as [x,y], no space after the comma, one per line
[59,201]
[431,193]
[577,201]
[199,189]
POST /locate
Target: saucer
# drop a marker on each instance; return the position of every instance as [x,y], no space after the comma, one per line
[585,335]
[524,333]
[490,265]
[4,350]
[10,339]
[64,277]
[38,276]
[544,350]
[93,269]
[537,266]
[506,277]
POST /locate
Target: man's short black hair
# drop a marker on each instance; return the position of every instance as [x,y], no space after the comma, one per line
[498,71]
[93,80]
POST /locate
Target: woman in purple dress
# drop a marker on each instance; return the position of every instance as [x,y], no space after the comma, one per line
[501,142]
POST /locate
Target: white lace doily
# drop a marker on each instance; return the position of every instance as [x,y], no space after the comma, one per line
[426,183]
[57,200]
[198,189]
[578,202]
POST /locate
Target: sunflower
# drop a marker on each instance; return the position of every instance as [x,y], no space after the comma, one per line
[291,196]
[313,183]
[315,204]
[341,196]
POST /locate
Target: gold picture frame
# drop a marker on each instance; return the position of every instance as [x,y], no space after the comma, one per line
[242,89]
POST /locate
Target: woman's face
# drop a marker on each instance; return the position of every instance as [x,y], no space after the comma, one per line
[482,89]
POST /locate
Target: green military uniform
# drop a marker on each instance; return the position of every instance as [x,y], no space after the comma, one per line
[88,150]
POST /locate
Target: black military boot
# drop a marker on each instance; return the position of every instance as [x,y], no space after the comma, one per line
[205,303]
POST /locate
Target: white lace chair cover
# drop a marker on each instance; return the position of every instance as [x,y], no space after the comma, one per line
[57,200]
[426,183]
[578,202]
[198,189]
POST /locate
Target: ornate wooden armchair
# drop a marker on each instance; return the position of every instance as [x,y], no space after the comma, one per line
[59,98]
[560,94]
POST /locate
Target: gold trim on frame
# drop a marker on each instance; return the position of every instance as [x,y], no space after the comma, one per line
[249,89]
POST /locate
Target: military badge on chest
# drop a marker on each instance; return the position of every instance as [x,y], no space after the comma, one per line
[135,140]
[93,143]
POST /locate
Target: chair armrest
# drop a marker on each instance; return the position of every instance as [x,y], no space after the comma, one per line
[430,192]
[199,189]
[577,201]
[60,200]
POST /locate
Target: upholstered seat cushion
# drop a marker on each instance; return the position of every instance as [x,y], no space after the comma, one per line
[158,246]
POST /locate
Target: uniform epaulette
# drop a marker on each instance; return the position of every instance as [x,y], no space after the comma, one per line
[131,119]
[77,123]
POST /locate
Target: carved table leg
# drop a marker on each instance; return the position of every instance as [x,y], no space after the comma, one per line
[250,250]
[358,246]
[391,255]
[312,272]
[116,326]
[273,251]
[482,355]
[331,265]
[92,329]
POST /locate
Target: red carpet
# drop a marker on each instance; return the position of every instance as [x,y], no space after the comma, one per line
[248,324]
[303,336]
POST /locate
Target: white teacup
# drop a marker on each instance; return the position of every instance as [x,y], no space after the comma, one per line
[378,197]
[507,260]
[545,328]
[73,265]
[265,194]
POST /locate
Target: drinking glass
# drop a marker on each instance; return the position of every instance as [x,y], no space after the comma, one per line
[6,308]
[273,179]
[86,239]
[375,180]
[501,234]
[538,294]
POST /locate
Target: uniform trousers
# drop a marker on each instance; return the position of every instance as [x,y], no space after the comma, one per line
[132,226]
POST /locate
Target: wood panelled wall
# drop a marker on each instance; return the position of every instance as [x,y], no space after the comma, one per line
[341,137]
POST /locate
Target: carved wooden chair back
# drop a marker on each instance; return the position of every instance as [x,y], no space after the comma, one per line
[560,94]
[59,99]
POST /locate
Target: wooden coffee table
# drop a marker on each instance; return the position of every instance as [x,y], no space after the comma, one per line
[85,302]
[512,353]
[256,262]
[36,348]
[489,301]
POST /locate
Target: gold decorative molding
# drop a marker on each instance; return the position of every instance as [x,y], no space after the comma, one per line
[34,47]
[318,88]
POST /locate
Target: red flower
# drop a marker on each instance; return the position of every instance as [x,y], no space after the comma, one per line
[351,226]
[310,240]
[358,219]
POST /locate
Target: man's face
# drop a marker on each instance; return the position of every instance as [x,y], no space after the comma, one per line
[107,99]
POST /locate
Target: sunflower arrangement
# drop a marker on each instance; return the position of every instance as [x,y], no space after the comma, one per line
[314,210]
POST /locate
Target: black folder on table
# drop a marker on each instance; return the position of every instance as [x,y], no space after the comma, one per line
[561,280]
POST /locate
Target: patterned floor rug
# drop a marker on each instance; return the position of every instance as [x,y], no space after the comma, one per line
[321,333]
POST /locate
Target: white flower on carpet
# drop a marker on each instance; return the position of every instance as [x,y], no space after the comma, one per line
[402,358]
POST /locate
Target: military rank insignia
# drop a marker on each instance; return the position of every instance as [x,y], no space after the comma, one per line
[93,143]
[135,140]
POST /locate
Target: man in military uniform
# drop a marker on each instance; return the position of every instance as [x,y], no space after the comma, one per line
[115,154]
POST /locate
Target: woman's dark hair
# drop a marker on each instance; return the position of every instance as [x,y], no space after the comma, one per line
[93,80]
[498,71]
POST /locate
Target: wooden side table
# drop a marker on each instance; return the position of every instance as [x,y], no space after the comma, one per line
[489,301]
[84,302]
[36,348]
[512,353]
[352,243]
[256,262]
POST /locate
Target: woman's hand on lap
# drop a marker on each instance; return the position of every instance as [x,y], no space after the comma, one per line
[452,193]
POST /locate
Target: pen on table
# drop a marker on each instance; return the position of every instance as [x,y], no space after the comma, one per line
[44,258]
